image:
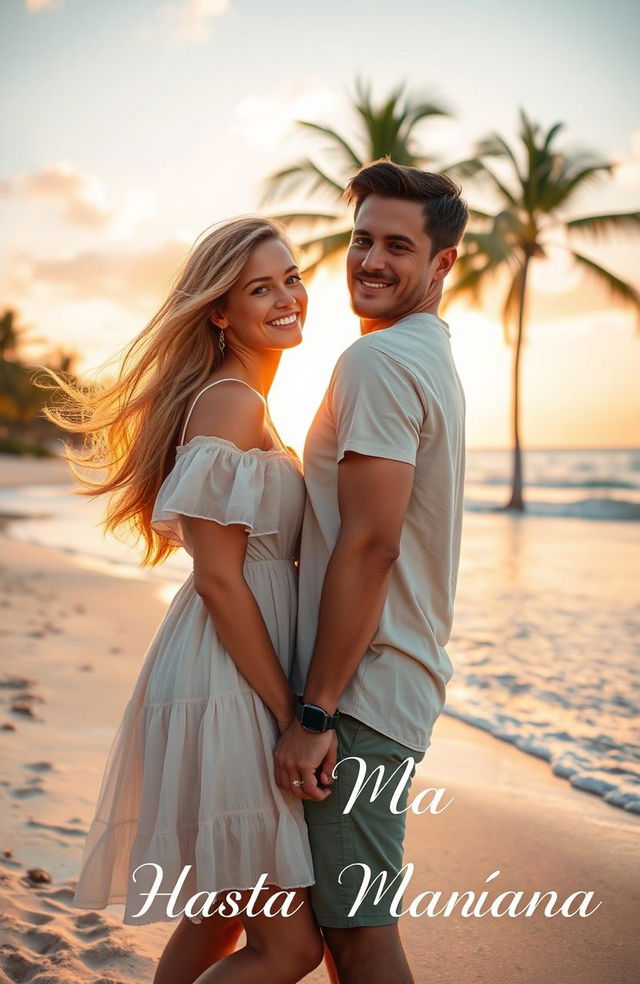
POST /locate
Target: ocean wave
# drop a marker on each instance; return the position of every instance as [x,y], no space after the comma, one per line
[583,764]
[591,508]
[556,483]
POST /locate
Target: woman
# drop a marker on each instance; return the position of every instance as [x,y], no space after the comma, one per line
[190,457]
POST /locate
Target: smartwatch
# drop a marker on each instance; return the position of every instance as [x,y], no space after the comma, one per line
[314,718]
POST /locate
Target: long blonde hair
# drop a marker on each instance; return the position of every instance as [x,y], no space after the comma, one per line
[130,426]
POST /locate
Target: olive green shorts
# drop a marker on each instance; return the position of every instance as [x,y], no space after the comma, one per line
[370,833]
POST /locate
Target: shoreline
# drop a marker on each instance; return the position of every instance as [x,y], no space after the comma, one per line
[499,711]
[168,578]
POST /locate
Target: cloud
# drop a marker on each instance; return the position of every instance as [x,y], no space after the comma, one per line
[135,279]
[36,5]
[82,196]
[190,21]
[265,119]
[83,199]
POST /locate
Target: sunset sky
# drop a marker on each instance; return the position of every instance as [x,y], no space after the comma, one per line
[131,125]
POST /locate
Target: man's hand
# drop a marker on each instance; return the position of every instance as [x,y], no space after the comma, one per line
[299,755]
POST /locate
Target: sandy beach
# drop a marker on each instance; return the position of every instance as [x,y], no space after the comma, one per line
[73,641]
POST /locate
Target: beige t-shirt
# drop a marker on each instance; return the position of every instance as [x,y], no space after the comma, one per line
[394,393]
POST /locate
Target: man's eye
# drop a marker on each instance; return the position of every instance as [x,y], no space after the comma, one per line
[359,241]
[400,246]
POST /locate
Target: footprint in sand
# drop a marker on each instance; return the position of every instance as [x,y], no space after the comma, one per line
[92,926]
[54,906]
[62,894]
[16,682]
[36,918]
[16,966]
[34,787]
[23,707]
[23,704]
[39,766]
[58,828]
[42,941]
[106,951]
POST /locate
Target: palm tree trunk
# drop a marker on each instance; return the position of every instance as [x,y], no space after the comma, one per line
[516,502]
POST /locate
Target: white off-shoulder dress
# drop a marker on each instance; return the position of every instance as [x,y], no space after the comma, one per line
[189,779]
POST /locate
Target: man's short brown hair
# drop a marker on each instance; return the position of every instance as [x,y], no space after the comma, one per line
[445,213]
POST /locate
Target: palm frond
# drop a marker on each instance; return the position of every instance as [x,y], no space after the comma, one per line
[601,225]
[621,290]
[470,282]
[568,181]
[324,247]
[461,170]
[304,218]
[495,146]
[479,216]
[354,159]
[417,112]
[292,178]
[474,167]
[551,135]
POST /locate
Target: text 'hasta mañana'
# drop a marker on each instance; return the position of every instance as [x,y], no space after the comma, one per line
[228,904]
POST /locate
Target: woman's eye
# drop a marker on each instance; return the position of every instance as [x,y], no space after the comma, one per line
[261,287]
[295,278]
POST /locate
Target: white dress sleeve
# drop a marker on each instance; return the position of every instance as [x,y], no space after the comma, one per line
[213,479]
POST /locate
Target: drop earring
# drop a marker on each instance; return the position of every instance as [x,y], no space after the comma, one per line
[221,343]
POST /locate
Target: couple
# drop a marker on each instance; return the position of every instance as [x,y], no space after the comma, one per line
[220,763]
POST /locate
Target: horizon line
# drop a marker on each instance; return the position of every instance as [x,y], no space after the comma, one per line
[565,447]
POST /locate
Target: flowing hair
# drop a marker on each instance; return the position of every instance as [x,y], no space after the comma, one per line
[130,426]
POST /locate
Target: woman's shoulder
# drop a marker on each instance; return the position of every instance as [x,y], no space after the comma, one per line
[230,410]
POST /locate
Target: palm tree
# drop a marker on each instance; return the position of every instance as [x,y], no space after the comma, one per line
[21,399]
[13,383]
[534,196]
[10,334]
[384,129]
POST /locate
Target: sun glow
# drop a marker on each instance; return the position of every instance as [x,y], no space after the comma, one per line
[599,412]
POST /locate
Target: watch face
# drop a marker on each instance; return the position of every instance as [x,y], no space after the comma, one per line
[313,718]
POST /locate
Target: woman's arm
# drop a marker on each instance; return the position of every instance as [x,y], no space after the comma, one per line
[236,414]
[218,555]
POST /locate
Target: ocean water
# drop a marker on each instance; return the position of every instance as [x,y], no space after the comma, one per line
[546,639]
[581,484]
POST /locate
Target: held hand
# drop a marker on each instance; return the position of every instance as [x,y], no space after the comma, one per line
[297,756]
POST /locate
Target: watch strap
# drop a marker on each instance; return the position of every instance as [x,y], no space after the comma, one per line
[314,718]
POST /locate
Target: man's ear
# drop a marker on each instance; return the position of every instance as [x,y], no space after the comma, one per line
[446,258]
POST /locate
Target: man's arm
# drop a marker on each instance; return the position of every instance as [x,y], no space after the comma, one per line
[373,495]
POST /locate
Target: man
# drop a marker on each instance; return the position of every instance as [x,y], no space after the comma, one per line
[384,464]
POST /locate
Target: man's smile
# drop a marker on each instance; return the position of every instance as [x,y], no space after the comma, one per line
[373,284]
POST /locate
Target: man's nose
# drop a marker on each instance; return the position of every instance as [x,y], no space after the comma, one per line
[374,260]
